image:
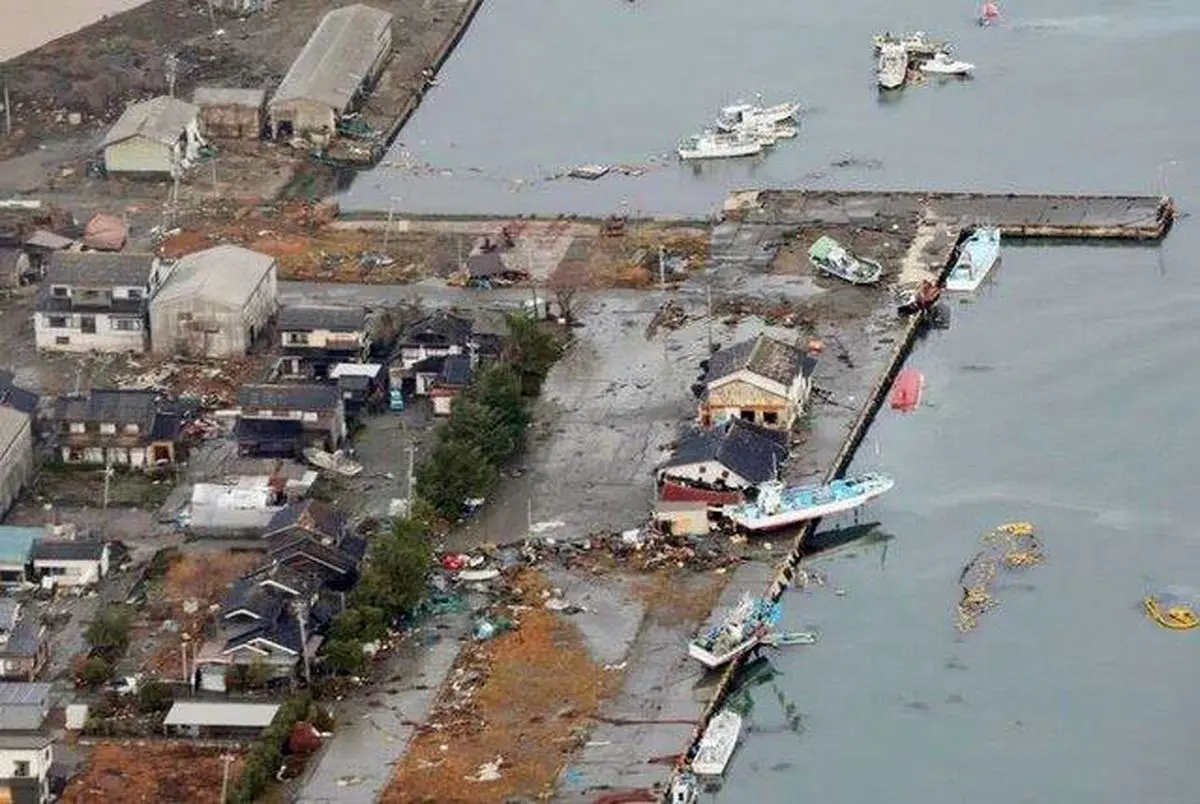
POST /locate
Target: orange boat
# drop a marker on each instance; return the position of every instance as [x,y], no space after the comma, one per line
[906,390]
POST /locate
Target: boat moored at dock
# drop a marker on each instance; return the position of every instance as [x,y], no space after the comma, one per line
[977,256]
[778,506]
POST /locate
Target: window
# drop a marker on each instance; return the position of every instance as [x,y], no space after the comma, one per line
[60,292]
[20,767]
[126,324]
[77,427]
[747,415]
[62,340]
[135,293]
[108,428]
[770,417]
[296,338]
[132,429]
[59,322]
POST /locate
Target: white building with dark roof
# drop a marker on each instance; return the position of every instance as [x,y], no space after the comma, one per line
[26,747]
[158,135]
[214,303]
[764,381]
[341,60]
[70,562]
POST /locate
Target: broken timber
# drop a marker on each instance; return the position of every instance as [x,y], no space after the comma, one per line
[1125,217]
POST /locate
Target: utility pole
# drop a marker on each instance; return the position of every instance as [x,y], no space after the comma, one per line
[412,474]
[228,760]
[391,217]
[213,162]
[662,269]
[529,513]
[184,660]
[108,473]
[171,66]
[212,18]
[301,612]
[708,318]
[7,110]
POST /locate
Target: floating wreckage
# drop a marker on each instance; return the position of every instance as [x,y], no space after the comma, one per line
[1010,546]
[1174,608]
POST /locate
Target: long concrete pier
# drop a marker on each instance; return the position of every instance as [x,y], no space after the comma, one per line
[1123,217]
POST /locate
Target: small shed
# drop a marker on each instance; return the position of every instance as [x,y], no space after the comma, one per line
[70,562]
[231,113]
[683,518]
[219,719]
[159,135]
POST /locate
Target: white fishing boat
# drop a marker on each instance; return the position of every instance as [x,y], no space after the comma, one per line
[893,66]
[976,258]
[827,255]
[943,64]
[917,44]
[769,133]
[711,145]
[718,743]
[742,629]
[778,506]
[731,117]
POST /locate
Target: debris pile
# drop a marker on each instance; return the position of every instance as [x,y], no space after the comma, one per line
[670,315]
[781,312]
[134,771]
[214,384]
[1010,546]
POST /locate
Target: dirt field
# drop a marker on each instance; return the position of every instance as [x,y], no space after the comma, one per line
[143,772]
[530,705]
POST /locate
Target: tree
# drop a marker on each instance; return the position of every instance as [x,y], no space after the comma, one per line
[531,350]
[482,426]
[95,671]
[154,696]
[393,579]
[345,656]
[499,388]
[454,473]
[568,282]
[359,624]
[109,632]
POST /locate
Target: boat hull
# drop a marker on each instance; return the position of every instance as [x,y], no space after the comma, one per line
[906,392]
[714,661]
[782,519]
[854,279]
[731,152]
[773,115]
[978,260]
[718,744]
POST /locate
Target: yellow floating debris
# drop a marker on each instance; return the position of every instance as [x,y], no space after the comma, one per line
[1177,618]
[1010,546]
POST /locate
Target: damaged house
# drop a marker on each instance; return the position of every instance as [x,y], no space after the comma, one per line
[336,69]
[419,353]
[214,303]
[24,647]
[314,538]
[729,457]
[314,339]
[116,428]
[94,302]
[231,113]
[282,420]
[18,414]
[26,744]
[160,135]
[764,381]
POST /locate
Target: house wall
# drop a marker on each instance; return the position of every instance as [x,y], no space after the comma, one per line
[689,521]
[131,337]
[739,398]
[708,472]
[411,355]
[137,457]
[16,465]
[332,421]
[38,760]
[323,339]
[231,122]
[442,403]
[74,573]
[209,328]
[138,155]
[305,117]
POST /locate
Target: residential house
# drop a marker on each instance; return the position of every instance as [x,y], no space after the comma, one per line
[436,335]
[70,562]
[231,113]
[214,303]
[313,538]
[94,302]
[486,269]
[16,453]
[337,67]
[453,380]
[26,747]
[733,455]
[315,338]
[224,720]
[364,386]
[160,135]
[23,644]
[763,380]
[284,419]
[117,428]
[16,543]
[38,247]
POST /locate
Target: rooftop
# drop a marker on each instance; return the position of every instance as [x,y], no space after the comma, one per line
[226,274]
[456,372]
[764,356]
[67,550]
[753,453]
[15,397]
[336,57]
[311,515]
[16,542]
[288,397]
[109,405]
[162,119]
[96,268]
[328,317]
[228,96]
[22,693]
[221,713]
[440,326]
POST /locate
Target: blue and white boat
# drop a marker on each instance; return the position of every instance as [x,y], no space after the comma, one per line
[778,506]
[741,629]
[978,255]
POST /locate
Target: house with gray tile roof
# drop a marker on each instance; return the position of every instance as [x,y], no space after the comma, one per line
[763,380]
[275,409]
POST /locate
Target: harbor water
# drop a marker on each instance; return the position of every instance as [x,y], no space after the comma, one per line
[1063,395]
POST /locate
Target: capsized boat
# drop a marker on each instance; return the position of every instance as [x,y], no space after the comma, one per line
[778,506]
[740,114]
[906,390]
[917,44]
[1175,608]
[893,66]
[718,743]
[976,258]
[741,630]
[943,64]
[711,145]
[829,256]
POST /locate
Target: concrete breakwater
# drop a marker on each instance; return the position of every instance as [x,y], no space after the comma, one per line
[1143,218]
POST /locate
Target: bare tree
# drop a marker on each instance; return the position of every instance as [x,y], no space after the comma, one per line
[569,283]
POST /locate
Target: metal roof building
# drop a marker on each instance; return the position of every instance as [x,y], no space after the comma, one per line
[151,136]
[344,56]
[214,303]
[219,718]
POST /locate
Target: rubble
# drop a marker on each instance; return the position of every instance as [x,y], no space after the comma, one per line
[134,771]
[1009,546]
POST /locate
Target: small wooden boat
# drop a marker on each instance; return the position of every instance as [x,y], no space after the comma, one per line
[893,66]
[717,744]
[906,390]
[943,64]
